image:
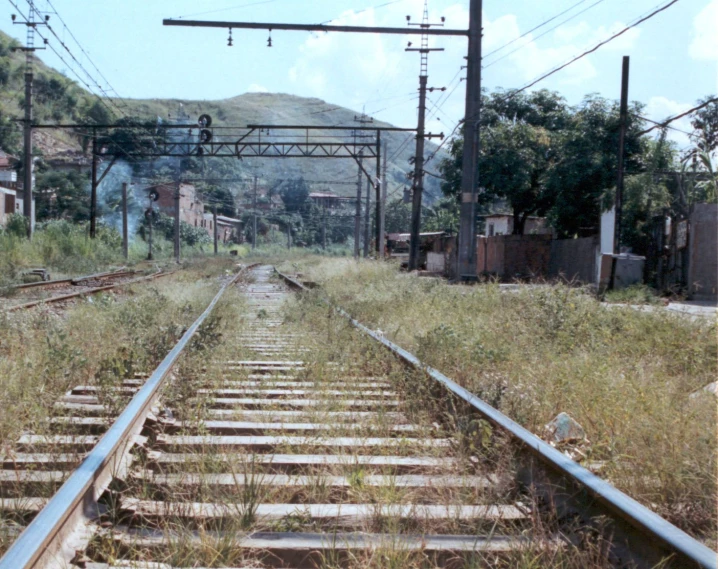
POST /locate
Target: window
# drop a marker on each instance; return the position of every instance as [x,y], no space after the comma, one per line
[491,229]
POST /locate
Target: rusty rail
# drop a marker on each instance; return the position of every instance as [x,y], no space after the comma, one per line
[639,536]
[49,537]
[88,292]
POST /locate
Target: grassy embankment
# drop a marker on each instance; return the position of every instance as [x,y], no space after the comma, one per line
[626,376]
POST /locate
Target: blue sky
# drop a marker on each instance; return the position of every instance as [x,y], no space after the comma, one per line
[674,56]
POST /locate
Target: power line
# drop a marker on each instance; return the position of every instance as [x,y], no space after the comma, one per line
[669,120]
[593,49]
[542,35]
[83,50]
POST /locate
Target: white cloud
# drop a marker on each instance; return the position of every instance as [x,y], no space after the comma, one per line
[705,37]
[660,108]
[255,88]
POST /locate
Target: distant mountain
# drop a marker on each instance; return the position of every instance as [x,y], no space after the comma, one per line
[60,99]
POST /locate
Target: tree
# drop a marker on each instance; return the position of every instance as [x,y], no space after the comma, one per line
[705,124]
[587,163]
[62,195]
[518,137]
[295,195]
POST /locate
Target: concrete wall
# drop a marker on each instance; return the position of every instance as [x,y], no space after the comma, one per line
[514,256]
[703,244]
[574,259]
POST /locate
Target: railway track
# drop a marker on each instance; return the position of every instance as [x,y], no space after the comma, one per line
[66,290]
[286,455]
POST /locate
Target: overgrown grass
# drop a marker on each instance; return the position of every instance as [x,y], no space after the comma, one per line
[100,341]
[66,250]
[626,376]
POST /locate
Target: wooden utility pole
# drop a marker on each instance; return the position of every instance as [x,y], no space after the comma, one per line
[467,269]
[254,215]
[125,231]
[150,215]
[215,231]
[289,235]
[357,213]
[618,203]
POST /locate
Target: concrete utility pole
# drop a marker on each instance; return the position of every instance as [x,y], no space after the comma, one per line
[151,213]
[125,232]
[28,165]
[382,212]
[619,174]
[418,180]
[178,212]
[379,184]
[215,231]
[254,215]
[467,269]
[357,214]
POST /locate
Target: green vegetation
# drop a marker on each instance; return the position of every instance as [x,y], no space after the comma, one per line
[628,377]
[97,342]
[65,249]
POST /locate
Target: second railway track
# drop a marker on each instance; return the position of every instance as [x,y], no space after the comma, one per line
[295,451]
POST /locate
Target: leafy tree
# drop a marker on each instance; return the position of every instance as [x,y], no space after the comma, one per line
[9,134]
[295,195]
[62,195]
[587,163]
[705,123]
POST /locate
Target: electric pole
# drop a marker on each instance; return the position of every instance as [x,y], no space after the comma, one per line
[29,49]
[379,184]
[254,215]
[382,211]
[367,212]
[618,203]
[470,169]
[125,232]
[418,179]
[324,226]
[93,186]
[178,211]
[357,214]
[215,232]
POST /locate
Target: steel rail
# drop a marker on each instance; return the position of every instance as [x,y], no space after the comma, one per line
[82,293]
[43,540]
[70,280]
[688,552]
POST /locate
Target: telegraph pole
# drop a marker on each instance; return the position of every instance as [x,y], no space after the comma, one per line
[254,215]
[125,232]
[418,180]
[470,170]
[378,188]
[178,211]
[618,204]
[357,214]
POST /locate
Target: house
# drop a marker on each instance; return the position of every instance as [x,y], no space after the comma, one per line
[503,224]
[432,248]
[191,203]
[328,200]
[10,203]
[8,174]
[228,229]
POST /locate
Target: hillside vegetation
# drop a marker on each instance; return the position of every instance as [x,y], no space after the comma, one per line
[59,99]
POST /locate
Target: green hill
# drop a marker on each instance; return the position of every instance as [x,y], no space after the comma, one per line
[59,99]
